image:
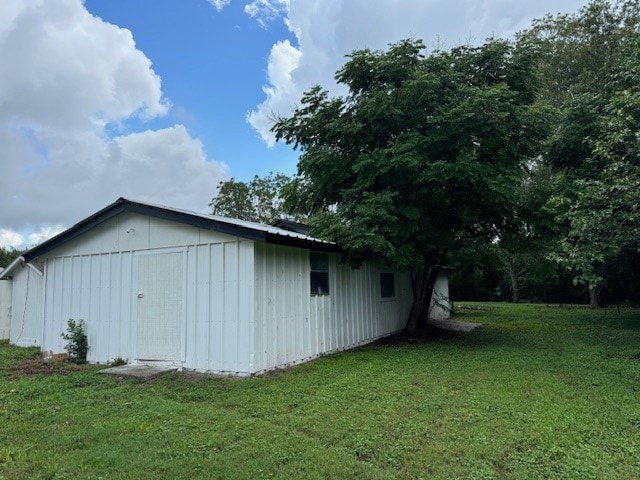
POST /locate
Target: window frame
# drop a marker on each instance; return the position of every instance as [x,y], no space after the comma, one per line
[384,288]
[319,274]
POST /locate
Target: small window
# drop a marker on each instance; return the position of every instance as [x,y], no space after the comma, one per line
[319,273]
[387,285]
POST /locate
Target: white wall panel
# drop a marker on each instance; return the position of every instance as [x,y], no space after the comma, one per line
[220,307]
[26,307]
[441,303]
[89,288]
[98,287]
[216,339]
[291,325]
[164,233]
[5,308]
[282,329]
[124,330]
[132,232]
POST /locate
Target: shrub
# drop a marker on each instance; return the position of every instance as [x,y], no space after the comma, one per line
[117,362]
[76,337]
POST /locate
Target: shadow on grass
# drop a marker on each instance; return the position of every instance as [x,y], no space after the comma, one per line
[430,334]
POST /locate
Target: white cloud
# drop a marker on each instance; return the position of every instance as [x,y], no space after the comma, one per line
[281,91]
[11,239]
[43,234]
[219,4]
[64,66]
[68,78]
[166,166]
[265,11]
[327,30]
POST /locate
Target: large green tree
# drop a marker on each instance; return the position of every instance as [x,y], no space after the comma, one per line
[604,214]
[589,65]
[419,158]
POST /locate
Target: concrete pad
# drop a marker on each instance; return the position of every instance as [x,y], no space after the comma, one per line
[139,371]
[454,325]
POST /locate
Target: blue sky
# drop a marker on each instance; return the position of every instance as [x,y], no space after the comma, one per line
[160,100]
[212,66]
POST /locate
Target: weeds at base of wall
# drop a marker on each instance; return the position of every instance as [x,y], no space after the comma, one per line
[77,343]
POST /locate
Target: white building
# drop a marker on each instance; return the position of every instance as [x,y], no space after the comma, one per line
[155,284]
[21,303]
[5,308]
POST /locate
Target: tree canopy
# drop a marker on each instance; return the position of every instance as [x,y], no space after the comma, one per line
[259,200]
[589,66]
[8,255]
[420,157]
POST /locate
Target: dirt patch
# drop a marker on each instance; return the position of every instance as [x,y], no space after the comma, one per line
[58,364]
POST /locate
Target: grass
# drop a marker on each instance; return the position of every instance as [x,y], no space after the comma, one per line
[537,392]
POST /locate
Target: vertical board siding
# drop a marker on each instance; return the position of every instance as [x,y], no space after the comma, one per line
[126,333]
[220,307]
[292,326]
[199,259]
[26,307]
[230,312]
[104,331]
[5,308]
[99,289]
[91,288]
[217,308]
[246,306]
[281,333]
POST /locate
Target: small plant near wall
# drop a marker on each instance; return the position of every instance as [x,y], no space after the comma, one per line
[77,343]
[118,362]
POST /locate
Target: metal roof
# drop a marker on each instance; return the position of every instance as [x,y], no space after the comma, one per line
[291,226]
[231,226]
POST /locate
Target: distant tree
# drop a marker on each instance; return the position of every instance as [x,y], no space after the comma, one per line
[420,158]
[260,200]
[476,273]
[8,255]
[579,52]
[529,232]
[590,74]
[604,216]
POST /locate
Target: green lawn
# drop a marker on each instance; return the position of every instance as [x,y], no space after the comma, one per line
[537,393]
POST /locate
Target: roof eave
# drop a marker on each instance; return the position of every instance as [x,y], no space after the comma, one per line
[124,205]
[302,243]
[6,273]
[78,229]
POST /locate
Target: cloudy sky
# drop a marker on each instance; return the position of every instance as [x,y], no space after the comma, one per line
[160,100]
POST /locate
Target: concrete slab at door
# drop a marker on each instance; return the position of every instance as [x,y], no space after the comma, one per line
[160,299]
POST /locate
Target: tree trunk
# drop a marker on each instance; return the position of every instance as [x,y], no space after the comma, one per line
[422,283]
[594,297]
[509,262]
[515,283]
